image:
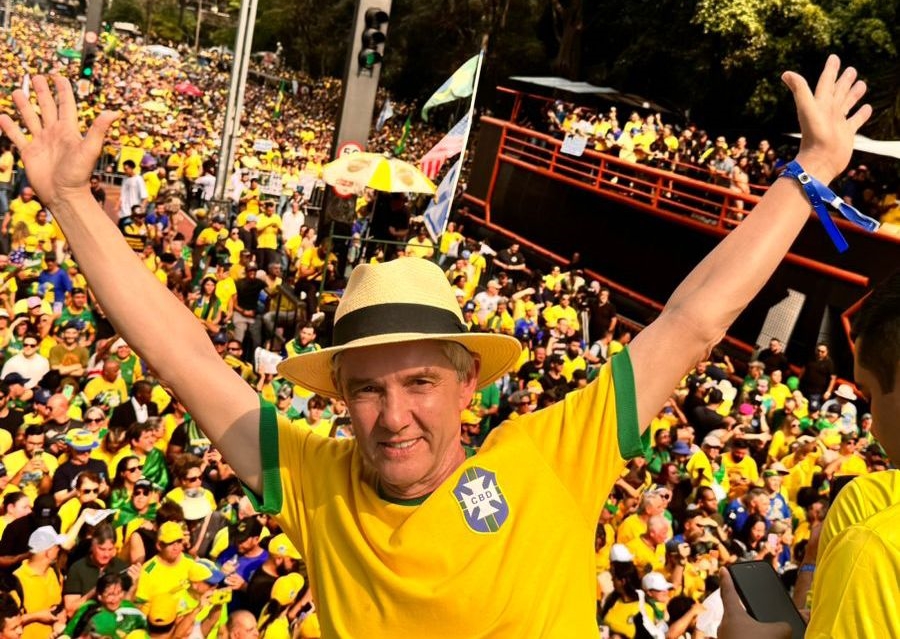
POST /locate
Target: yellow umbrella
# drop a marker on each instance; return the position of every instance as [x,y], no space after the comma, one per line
[354,172]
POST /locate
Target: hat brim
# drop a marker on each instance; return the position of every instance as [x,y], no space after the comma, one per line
[497,354]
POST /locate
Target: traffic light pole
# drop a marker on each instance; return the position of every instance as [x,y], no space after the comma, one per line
[360,83]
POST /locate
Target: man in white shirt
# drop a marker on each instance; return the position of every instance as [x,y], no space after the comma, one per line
[29,363]
[134,191]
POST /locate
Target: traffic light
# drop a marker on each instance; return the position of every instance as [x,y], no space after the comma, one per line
[372,37]
[88,60]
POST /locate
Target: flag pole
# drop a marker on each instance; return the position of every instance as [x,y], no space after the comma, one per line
[465,142]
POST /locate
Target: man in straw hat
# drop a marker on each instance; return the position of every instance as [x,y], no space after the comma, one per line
[398,524]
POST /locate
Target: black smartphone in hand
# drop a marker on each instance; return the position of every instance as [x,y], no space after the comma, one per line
[764,595]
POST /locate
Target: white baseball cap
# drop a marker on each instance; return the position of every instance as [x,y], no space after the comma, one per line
[620,553]
[44,538]
[655,581]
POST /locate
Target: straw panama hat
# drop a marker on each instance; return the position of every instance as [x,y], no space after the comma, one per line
[401,301]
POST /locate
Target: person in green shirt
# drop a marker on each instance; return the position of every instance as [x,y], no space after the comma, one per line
[111,610]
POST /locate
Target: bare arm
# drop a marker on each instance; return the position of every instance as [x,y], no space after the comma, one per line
[706,303]
[59,163]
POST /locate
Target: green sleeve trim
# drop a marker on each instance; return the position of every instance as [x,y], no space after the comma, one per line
[629,432]
[272,497]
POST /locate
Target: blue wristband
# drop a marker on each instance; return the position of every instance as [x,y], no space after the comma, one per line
[819,195]
[807,567]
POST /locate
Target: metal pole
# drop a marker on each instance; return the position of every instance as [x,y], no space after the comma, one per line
[231,127]
[197,31]
[7,14]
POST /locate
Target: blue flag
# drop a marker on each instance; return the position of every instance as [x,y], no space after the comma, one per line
[438,210]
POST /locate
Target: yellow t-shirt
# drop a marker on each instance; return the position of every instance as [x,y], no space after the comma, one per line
[647,559]
[855,584]
[267,227]
[620,617]
[42,592]
[114,390]
[630,529]
[22,211]
[381,567]
[158,578]
[853,465]
[746,467]
[860,499]
[29,482]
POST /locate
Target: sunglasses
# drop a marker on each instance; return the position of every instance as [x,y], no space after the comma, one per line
[141,491]
[93,420]
[90,491]
[134,468]
[194,478]
[29,344]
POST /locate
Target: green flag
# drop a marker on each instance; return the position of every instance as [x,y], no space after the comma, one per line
[459,85]
[401,143]
[278,101]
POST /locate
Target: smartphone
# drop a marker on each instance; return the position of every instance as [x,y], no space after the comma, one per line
[772,541]
[221,596]
[764,596]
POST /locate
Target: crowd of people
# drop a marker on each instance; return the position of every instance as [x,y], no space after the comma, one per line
[119,517]
[692,151]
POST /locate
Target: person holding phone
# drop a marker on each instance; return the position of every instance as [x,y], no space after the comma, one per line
[851,563]
[406,366]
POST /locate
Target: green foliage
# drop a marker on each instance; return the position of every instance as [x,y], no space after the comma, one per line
[125,11]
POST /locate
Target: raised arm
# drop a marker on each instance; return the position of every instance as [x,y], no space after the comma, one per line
[710,298]
[59,162]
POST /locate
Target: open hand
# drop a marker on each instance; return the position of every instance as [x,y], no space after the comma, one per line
[58,160]
[826,125]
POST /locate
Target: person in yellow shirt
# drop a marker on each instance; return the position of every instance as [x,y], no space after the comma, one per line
[30,468]
[268,234]
[108,388]
[23,210]
[651,505]
[167,572]
[738,460]
[420,245]
[649,549]
[40,583]
[848,461]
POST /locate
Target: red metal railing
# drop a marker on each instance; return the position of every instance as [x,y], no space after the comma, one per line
[708,208]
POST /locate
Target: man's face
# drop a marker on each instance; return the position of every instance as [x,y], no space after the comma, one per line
[540,355]
[103,553]
[663,439]
[27,194]
[248,545]
[404,404]
[307,335]
[29,347]
[821,352]
[110,370]
[88,491]
[33,443]
[79,300]
[172,551]
[95,184]
[145,442]
[775,346]
[70,336]
[244,627]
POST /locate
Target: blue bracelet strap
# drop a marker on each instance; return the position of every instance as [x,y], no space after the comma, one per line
[819,195]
